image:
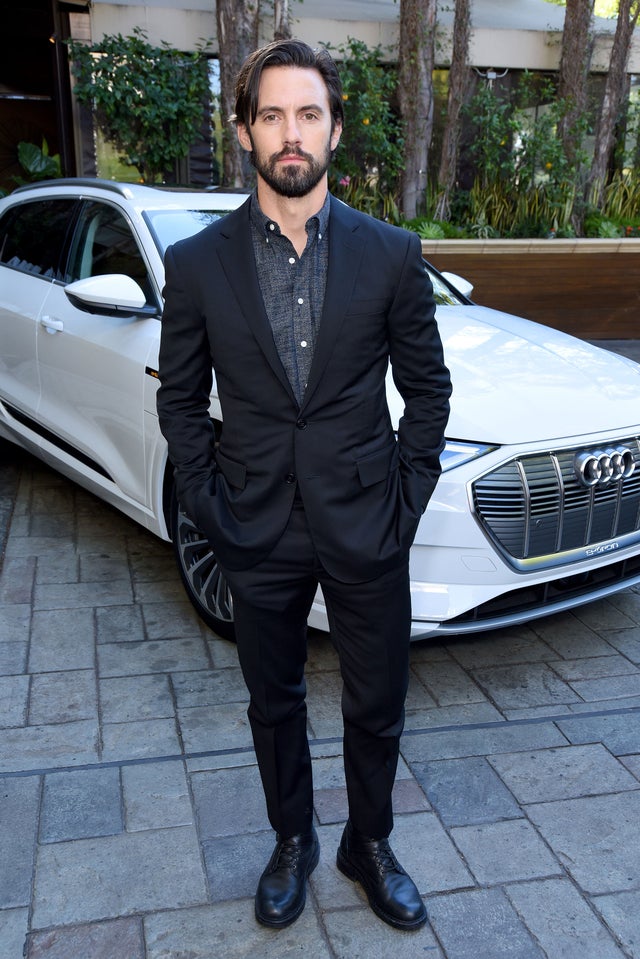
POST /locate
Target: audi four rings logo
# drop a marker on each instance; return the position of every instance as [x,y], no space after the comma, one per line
[602,467]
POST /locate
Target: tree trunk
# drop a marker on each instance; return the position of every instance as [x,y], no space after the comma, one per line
[281,20]
[415,94]
[613,96]
[237,23]
[458,83]
[575,60]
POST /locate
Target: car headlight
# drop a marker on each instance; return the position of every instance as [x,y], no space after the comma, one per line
[456,453]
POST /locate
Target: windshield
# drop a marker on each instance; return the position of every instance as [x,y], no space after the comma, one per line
[442,293]
[169,226]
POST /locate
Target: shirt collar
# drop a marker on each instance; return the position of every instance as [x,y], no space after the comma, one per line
[267,227]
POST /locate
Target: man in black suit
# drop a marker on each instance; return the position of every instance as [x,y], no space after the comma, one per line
[299,303]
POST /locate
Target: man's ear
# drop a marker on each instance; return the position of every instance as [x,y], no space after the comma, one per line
[243,137]
[335,135]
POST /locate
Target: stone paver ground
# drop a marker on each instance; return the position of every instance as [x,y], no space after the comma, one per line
[132,824]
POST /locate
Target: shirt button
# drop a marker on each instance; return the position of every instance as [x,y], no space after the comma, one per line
[303,343]
[290,479]
[272,226]
[300,300]
[292,259]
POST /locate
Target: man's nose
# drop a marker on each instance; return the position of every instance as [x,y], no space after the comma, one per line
[291,132]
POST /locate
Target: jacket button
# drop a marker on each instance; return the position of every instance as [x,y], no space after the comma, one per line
[301,424]
[290,478]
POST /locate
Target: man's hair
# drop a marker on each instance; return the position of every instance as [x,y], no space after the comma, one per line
[285,53]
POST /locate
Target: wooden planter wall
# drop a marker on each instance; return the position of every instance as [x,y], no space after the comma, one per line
[590,288]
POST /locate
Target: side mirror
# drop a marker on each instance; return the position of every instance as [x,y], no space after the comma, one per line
[461,285]
[108,294]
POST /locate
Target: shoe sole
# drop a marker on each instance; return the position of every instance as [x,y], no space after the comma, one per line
[349,870]
[292,916]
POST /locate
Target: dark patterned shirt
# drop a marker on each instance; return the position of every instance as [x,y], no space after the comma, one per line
[292,288]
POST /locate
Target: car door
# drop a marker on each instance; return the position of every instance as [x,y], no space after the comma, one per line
[32,239]
[92,361]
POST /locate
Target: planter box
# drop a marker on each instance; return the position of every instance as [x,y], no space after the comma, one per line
[590,288]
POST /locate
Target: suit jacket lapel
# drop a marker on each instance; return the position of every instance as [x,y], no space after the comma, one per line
[236,256]
[345,254]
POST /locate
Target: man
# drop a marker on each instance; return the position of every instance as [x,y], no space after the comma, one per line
[298,303]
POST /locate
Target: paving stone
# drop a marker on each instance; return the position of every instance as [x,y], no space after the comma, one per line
[209,687]
[621,912]
[518,645]
[359,934]
[229,802]
[19,800]
[448,684]
[502,852]
[118,939]
[61,525]
[171,620]
[533,684]
[205,728]
[595,668]
[483,741]
[467,715]
[569,638]
[156,795]
[62,568]
[49,747]
[632,763]
[229,930]
[324,710]
[115,876]
[128,698]
[561,921]
[595,838]
[627,642]
[119,624]
[81,803]
[15,623]
[613,687]
[62,697]
[16,581]
[603,616]
[14,694]
[82,595]
[628,602]
[566,773]
[465,791]
[62,639]
[145,738]
[464,920]
[13,932]
[161,592]
[162,656]
[619,733]
[234,864]
[13,658]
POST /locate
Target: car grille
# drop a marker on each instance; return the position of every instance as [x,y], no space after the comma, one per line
[539,514]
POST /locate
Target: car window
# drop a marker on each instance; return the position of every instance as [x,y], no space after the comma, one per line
[169,226]
[104,243]
[33,235]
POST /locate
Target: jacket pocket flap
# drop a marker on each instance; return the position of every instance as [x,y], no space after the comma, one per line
[234,473]
[376,467]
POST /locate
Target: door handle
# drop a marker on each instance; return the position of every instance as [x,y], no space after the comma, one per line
[51,325]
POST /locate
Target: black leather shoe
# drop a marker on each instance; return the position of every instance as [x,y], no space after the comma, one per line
[392,894]
[282,890]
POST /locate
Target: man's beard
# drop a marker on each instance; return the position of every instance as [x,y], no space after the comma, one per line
[292,179]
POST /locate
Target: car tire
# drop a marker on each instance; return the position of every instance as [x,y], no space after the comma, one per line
[203,581]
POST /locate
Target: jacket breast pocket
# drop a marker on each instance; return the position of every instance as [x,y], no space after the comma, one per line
[376,467]
[234,473]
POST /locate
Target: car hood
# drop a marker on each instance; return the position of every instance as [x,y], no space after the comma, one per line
[515,381]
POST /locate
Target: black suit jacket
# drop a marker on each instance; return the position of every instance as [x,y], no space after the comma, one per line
[363,489]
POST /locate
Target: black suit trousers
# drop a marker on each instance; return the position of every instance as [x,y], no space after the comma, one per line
[370,627]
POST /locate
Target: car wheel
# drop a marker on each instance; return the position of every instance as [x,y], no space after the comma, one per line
[205,585]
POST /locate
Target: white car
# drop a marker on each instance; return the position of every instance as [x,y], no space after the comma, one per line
[538,506]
